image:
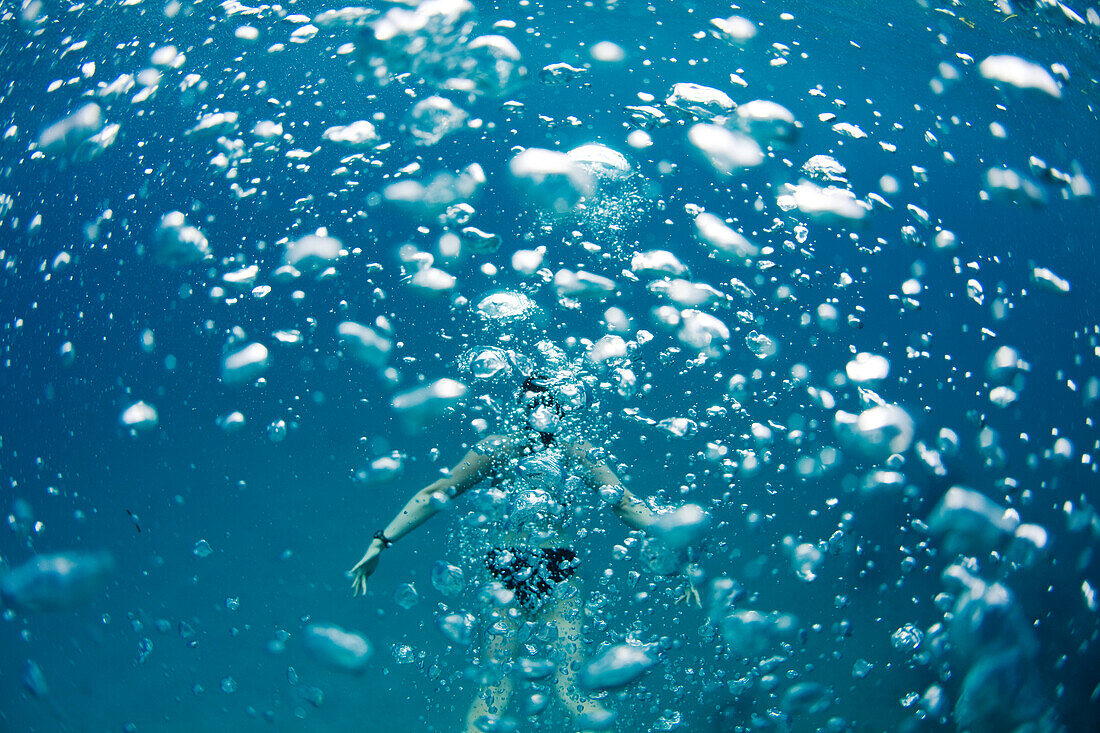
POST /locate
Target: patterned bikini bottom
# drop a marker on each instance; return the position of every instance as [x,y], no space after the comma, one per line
[530,572]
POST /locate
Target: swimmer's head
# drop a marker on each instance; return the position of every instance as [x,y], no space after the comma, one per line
[547,399]
[542,409]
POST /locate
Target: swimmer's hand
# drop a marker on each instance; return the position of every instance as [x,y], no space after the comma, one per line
[691,595]
[365,568]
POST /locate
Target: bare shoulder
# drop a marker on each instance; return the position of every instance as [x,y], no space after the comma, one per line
[582,450]
[497,447]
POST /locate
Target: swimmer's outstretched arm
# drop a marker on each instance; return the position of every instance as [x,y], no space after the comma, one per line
[430,500]
[629,508]
[632,510]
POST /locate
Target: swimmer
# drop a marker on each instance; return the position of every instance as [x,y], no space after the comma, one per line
[532,553]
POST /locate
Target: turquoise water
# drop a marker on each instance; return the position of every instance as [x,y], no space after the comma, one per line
[726,377]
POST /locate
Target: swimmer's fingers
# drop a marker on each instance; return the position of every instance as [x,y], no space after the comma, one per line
[690,597]
[358,585]
[358,579]
[363,570]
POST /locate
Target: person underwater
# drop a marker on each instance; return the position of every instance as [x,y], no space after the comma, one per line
[533,553]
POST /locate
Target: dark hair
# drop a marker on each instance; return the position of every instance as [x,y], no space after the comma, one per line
[536,383]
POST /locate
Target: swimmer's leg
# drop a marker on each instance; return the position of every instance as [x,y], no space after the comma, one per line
[567,615]
[492,698]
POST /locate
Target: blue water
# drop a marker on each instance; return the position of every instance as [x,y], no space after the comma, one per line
[286,518]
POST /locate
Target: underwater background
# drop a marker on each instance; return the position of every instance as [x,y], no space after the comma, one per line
[208,532]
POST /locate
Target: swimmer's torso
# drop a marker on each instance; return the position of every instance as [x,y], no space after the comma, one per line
[538,498]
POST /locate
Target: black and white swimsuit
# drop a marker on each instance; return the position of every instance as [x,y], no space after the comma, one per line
[531,573]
